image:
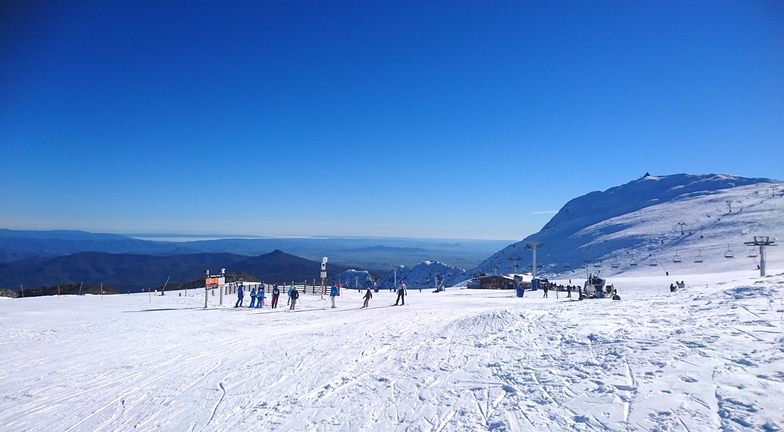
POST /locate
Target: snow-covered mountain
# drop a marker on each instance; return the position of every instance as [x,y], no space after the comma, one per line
[423,275]
[656,224]
[352,278]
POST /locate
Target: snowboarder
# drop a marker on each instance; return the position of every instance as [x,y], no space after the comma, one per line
[401,294]
[252,298]
[261,295]
[275,295]
[367,297]
[294,296]
[240,295]
[333,292]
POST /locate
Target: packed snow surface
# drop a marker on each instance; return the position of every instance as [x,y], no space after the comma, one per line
[707,357]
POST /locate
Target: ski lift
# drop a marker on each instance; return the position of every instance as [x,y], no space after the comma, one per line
[615,264]
[753,253]
[597,264]
[554,265]
[677,258]
[566,265]
[653,262]
[633,262]
[729,253]
[584,265]
[698,258]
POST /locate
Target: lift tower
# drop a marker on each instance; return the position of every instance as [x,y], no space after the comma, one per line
[761,241]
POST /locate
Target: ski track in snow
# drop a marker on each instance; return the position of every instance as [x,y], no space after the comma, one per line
[709,357]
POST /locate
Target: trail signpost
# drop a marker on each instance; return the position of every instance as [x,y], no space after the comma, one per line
[212,282]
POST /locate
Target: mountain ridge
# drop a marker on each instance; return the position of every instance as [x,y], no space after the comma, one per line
[672,223]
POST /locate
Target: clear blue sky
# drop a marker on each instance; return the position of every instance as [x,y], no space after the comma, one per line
[455,119]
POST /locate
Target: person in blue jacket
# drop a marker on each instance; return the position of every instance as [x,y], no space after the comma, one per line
[261,295]
[294,297]
[252,298]
[332,294]
[240,295]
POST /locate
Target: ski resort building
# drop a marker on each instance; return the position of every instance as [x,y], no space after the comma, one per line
[496,282]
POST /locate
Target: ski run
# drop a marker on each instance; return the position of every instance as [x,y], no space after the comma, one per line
[709,357]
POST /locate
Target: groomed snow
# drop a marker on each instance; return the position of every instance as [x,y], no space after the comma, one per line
[709,357]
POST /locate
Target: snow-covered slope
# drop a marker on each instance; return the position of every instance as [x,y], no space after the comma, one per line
[672,221]
[706,358]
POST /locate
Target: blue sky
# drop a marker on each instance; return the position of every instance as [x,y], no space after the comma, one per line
[456,119]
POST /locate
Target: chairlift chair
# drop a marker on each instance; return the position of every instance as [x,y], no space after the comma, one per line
[615,264]
[729,253]
[698,258]
[753,253]
[653,262]
[677,258]
[633,262]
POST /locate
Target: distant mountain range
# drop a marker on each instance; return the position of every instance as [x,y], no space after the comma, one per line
[367,253]
[129,272]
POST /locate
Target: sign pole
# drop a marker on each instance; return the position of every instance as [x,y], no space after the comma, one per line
[323,275]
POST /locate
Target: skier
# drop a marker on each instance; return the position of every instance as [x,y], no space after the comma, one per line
[240,294]
[367,297]
[568,291]
[545,288]
[333,292]
[252,298]
[291,288]
[294,297]
[401,294]
[275,295]
[262,295]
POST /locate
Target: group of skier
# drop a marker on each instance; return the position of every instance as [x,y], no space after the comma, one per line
[258,296]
